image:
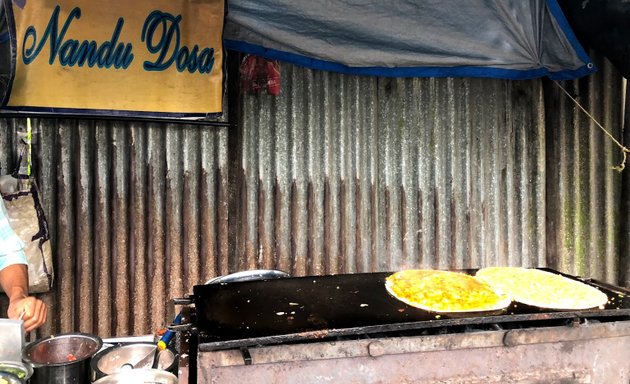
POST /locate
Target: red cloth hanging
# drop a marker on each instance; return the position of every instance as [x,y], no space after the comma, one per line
[273,77]
[259,74]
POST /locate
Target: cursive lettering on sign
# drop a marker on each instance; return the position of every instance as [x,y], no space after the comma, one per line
[161,34]
[71,52]
[166,44]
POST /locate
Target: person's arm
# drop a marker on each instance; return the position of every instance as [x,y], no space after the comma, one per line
[14,282]
[14,277]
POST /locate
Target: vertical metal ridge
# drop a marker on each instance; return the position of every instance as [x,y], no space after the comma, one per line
[612,193]
[139,286]
[118,193]
[84,217]
[65,246]
[624,209]
[155,252]
[105,173]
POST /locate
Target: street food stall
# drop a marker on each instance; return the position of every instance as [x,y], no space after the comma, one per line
[179,146]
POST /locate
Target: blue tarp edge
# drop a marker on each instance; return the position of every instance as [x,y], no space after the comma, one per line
[461,71]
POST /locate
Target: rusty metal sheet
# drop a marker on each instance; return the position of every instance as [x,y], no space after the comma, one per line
[345,174]
[137,214]
[392,173]
[581,201]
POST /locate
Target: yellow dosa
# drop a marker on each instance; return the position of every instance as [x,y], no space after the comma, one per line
[444,291]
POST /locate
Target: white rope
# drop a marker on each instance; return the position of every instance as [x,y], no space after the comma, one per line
[624,150]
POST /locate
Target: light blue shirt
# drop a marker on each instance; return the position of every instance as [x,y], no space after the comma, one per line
[11,247]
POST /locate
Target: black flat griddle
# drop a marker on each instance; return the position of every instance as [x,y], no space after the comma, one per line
[341,304]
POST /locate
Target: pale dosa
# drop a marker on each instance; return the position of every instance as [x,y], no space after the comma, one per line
[543,289]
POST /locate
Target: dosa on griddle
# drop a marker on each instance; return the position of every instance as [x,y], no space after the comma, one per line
[444,291]
[543,289]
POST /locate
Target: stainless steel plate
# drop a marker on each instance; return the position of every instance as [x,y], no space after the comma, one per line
[256,274]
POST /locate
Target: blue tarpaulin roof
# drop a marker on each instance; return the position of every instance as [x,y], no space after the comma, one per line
[512,39]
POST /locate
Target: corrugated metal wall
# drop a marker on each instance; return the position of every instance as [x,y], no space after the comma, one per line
[584,195]
[352,174]
[348,174]
[337,174]
[137,213]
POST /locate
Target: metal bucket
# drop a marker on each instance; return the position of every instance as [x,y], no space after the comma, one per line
[62,359]
[112,360]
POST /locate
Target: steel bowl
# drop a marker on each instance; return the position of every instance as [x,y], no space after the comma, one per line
[114,359]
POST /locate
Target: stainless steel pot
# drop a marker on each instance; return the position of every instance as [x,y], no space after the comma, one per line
[153,376]
[62,359]
[112,360]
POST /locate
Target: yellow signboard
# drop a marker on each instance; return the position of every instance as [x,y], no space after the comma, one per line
[121,57]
